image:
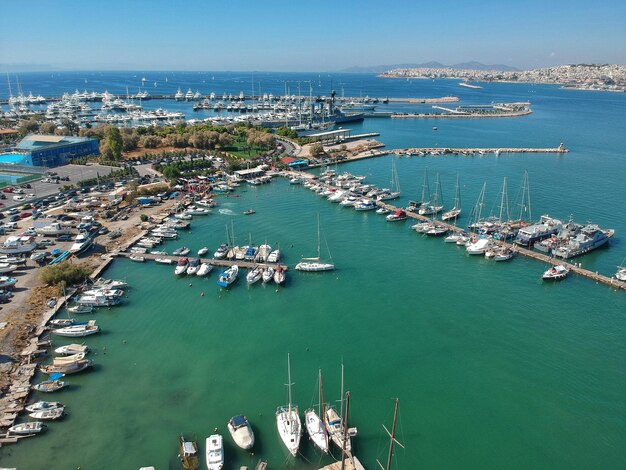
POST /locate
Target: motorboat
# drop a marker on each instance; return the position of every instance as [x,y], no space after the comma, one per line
[478,247]
[453,238]
[396,216]
[164,260]
[137,258]
[221,252]
[204,269]
[39,255]
[203,251]
[48,386]
[98,300]
[9,268]
[27,429]
[52,414]
[555,273]
[54,229]
[74,331]
[382,210]
[504,254]
[229,276]
[43,406]
[7,282]
[268,275]
[63,322]
[193,266]
[82,242]
[188,454]
[80,309]
[546,227]
[620,275]
[365,205]
[72,368]
[181,266]
[241,431]
[182,251]
[274,256]
[437,230]
[214,452]
[279,275]
[249,212]
[71,349]
[254,275]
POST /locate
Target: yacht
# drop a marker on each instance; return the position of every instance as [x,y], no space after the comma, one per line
[214,452]
[546,227]
[82,243]
[288,420]
[478,247]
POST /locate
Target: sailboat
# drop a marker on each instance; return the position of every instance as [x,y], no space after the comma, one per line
[314,424]
[315,264]
[394,192]
[288,420]
[431,209]
[392,437]
[456,210]
[336,426]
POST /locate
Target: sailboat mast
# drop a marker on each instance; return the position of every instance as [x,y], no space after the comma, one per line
[393,434]
[457,197]
[289,381]
[504,197]
[318,236]
[341,404]
[322,411]
[345,432]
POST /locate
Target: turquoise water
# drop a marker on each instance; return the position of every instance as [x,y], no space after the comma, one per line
[493,368]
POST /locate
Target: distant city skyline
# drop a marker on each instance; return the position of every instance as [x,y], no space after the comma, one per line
[304,36]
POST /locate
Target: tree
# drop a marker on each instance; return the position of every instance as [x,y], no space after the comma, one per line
[316,150]
[114,142]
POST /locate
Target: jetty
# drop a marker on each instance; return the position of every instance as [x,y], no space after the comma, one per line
[468,151]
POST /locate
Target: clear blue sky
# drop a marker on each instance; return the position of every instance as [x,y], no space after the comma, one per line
[309,35]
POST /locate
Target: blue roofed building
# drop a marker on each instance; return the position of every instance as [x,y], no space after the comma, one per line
[55,150]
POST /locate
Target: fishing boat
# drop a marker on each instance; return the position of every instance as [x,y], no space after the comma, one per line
[27,429]
[136,258]
[314,424]
[555,273]
[203,251]
[456,210]
[254,275]
[397,216]
[52,385]
[204,269]
[43,406]
[52,414]
[63,322]
[229,276]
[241,431]
[80,309]
[214,452]
[288,420]
[75,331]
[315,264]
[72,368]
[193,266]
[279,275]
[181,267]
[268,274]
[65,360]
[71,349]
[188,454]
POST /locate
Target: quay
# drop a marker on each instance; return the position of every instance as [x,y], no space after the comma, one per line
[454,114]
[471,151]
[350,463]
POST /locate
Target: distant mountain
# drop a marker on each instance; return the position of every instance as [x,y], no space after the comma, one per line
[430,65]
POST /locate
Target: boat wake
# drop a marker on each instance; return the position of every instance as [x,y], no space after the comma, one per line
[226,212]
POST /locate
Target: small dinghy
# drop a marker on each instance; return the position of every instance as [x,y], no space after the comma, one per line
[80,309]
[555,273]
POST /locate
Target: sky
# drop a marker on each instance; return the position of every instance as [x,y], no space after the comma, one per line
[300,35]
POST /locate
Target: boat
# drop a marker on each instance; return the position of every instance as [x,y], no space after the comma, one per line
[453,238]
[456,210]
[288,420]
[66,369]
[382,210]
[43,406]
[51,302]
[80,309]
[63,322]
[314,424]
[181,267]
[27,429]
[365,205]
[478,247]
[54,229]
[263,253]
[279,275]
[182,251]
[504,254]
[188,454]
[73,331]
[214,452]
[229,276]
[555,273]
[193,266]
[7,282]
[52,414]
[254,275]
[397,216]
[394,192]
[204,269]
[71,349]
[620,275]
[82,243]
[65,360]
[437,206]
[48,386]
[315,264]
[9,268]
[136,258]
[220,253]
[274,256]
[546,227]
[249,212]
[335,424]
[98,300]
[241,431]
[437,230]
[268,274]
[17,245]
[203,251]
[164,260]
[392,438]
[37,256]
[589,238]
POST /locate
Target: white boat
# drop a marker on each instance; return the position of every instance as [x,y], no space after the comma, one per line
[164,260]
[65,360]
[28,428]
[397,216]
[456,210]
[193,266]
[181,267]
[52,414]
[315,264]
[76,331]
[288,420]
[53,230]
[82,242]
[555,273]
[382,210]
[71,349]
[620,275]
[203,251]
[43,406]
[182,251]
[214,452]
[268,275]
[453,238]
[254,275]
[48,386]
[39,255]
[72,368]
[504,254]
[7,268]
[241,431]
[478,247]
[335,425]
[204,269]
[263,253]
[229,276]
[314,424]
[279,275]
[80,309]
[274,256]
[365,205]
[220,253]
[63,322]
[136,258]
[17,245]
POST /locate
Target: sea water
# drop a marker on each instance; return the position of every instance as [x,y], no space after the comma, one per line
[493,367]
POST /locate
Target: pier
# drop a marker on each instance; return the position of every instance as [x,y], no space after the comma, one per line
[421,151]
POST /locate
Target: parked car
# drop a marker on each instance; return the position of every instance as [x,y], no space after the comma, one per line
[7,190]
[18,198]
[25,214]
[12,211]
[14,218]
[64,238]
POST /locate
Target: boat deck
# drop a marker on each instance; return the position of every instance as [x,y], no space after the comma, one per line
[351,463]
